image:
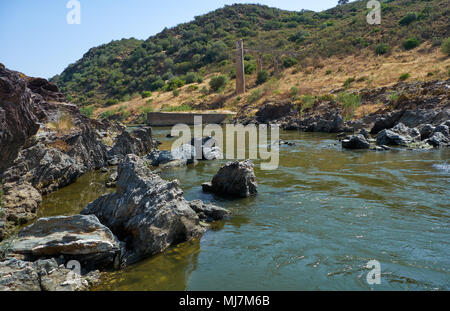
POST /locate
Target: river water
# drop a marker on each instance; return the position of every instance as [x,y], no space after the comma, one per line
[315,224]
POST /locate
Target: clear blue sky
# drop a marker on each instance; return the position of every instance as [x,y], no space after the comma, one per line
[36,39]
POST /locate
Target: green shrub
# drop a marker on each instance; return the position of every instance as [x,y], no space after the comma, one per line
[348,82]
[111,102]
[191,77]
[404,76]
[218,83]
[381,49]
[293,92]
[350,102]
[446,46]
[307,101]
[289,62]
[328,72]
[174,83]
[157,85]
[408,19]
[254,96]
[262,77]
[249,67]
[108,114]
[411,43]
[87,111]
[146,94]
[176,93]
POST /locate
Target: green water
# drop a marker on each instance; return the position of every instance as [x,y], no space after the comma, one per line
[314,225]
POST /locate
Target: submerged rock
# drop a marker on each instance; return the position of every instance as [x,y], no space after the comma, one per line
[206,148]
[355,142]
[148,213]
[234,178]
[208,212]
[82,238]
[43,275]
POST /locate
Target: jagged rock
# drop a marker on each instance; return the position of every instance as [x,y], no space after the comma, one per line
[43,275]
[80,237]
[137,142]
[20,203]
[355,142]
[426,131]
[234,178]
[206,148]
[146,212]
[208,212]
[17,121]
[182,155]
[442,129]
[273,111]
[365,133]
[390,138]
[438,140]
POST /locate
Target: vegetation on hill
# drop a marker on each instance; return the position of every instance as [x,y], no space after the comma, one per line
[120,70]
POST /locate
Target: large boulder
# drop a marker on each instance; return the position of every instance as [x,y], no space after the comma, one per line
[43,275]
[399,135]
[438,140]
[17,121]
[355,142]
[137,142]
[80,237]
[235,178]
[208,212]
[148,213]
[273,111]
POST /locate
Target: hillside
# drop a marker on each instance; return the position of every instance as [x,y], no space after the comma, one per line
[335,47]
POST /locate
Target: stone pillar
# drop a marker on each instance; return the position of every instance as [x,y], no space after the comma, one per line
[240,72]
[259,59]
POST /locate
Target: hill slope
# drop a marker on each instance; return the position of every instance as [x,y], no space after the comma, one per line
[120,70]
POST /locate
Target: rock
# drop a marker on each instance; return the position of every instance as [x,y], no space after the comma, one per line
[148,213]
[80,237]
[273,111]
[180,156]
[42,275]
[113,177]
[442,129]
[365,133]
[20,203]
[206,148]
[355,142]
[137,142]
[17,121]
[426,131]
[388,137]
[438,140]
[208,212]
[234,178]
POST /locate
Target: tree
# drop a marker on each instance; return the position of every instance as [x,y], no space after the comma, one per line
[341,2]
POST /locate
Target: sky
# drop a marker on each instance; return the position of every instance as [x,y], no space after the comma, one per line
[36,39]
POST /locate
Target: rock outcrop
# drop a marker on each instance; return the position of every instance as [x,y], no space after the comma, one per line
[80,237]
[17,121]
[137,142]
[148,213]
[355,142]
[235,179]
[43,275]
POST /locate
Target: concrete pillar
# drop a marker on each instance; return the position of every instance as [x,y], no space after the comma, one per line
[240,72]
[259,59]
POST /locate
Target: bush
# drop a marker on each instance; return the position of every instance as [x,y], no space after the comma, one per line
[183,107]
[191,77]
[404,76]
[146,94]
[262,77]
[348,82]
[218,83]
[289,62]
[87,111]
[176,93]
[408,19]
[381,49]
[411,43]
[293,92]
[157,85]
[328,72]
[111,102]
[174,83]
[446,46]
[307,101]
[350,102]
[254,96]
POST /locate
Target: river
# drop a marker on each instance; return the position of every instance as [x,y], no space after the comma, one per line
[314,225]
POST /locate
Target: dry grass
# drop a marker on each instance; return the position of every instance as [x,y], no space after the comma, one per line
[63,125]
[311,77]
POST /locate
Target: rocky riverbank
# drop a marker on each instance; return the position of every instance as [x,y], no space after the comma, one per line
[418,105]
